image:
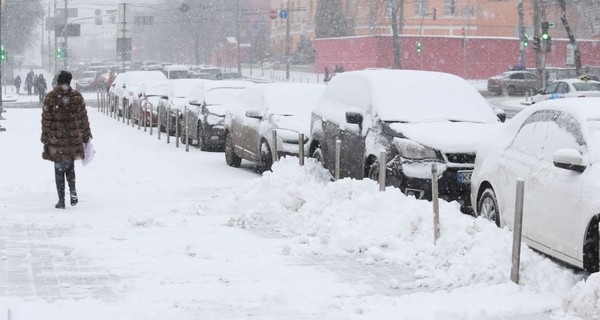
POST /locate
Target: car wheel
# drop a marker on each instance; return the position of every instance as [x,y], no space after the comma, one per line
[230,157]
[201,142]
[487,206]
[266,158]
[511,90]
[318,155]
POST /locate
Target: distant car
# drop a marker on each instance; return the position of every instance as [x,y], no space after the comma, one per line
[568,88]
[176,71]
[231,75]
[179,93]
[207,113]
[86,81]
[396,111]
[263,108]
[147,105]
[554,147]
[589,77]
[513,82]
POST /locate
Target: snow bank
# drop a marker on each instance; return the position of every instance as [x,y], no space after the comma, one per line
[351,217]
[584,299]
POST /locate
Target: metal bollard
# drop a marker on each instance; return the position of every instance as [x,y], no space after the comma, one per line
[98,100]
[145,117]
[435,202]
[187,131]
[158,121]
[168,119]
[274,151]
[177,128]
[151,118]
[338,152]
[139,119]
[301,149]
[517,231]
[382,170]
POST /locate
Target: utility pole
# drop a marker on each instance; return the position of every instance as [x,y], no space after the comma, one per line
[536,32]
[287,41]
[56,63]
[521,33]
[237,31]
[66,52]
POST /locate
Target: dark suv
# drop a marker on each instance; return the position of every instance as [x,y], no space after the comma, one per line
[396,111]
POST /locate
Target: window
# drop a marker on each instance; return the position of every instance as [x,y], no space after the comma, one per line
[449,7]
[551,88]
[531,137]
[420,7]
[517,76]
[562,88]
[563,133]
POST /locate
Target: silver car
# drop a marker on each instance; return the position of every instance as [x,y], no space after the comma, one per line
[263,108]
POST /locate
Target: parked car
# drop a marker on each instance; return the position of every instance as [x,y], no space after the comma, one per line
[513,82]
[176,71]
[87,81]
[568,88]
[133,82]
[146,107]
[396,111]
[207,113]
[116,90]
[554,147]
[231,75]
[262,108]
[179,93]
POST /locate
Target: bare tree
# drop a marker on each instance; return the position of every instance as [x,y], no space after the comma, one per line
[397,20]
[19,20]
[563,18]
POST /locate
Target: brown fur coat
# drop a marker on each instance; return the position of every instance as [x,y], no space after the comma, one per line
[65,125]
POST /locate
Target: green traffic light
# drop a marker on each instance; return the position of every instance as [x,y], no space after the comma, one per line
[419,47]
[545,36]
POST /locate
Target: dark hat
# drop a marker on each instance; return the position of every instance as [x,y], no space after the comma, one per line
[64,77]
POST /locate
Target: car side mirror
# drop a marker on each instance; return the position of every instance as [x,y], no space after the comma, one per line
[255,114]
[164,97]
[500,114]
[196,102]
[123,86]
[354,117]
[569,159]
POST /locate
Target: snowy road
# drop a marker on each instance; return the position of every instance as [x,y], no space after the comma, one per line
[164,234]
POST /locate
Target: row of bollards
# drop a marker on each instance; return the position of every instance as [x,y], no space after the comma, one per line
[109,107]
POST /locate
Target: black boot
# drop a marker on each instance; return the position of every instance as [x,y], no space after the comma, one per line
[59,175]
[70,173]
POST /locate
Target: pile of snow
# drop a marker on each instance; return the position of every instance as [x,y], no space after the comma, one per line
[351,217]
[584,300]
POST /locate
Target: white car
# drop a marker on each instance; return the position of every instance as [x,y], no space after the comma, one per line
[555,147]
[263,108]
[150,94]
[568,88]
[179,93]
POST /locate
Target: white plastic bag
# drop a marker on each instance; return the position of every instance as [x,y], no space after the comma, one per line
[88,153]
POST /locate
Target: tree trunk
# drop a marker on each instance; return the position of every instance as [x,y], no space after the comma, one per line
[397,13]
[565,22]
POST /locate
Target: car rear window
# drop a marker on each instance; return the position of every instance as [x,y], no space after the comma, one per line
[586,86]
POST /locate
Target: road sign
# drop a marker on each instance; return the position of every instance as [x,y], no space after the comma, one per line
[283,14]
[273,14]
[71,13]
[124,56]
[72,30]
[123,44]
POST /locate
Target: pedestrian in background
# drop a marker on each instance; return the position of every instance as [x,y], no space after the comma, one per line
[41,86]
[35,83]
[29,81]
[65,129]
[17,84]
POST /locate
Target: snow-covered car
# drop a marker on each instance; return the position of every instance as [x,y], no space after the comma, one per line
[554,147]
[513,82]
[133,82]
[179,93]
[262,108]
[568,88]
[176,71]
[207,113]
[116,90]
[396,111]
[150,94]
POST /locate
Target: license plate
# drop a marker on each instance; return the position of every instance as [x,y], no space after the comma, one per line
[464,176]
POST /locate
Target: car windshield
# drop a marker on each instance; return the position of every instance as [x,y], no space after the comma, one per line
[222,96]
[291,100]
[587,86]
[178,74]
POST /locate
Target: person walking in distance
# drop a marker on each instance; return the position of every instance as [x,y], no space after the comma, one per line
[65,129]
[17,84]
[41,86]
[29,81]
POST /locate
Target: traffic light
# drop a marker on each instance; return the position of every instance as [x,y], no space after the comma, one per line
[537,44]
[2,53]
[525,41]
[419,47]
[59,53]
[545,26]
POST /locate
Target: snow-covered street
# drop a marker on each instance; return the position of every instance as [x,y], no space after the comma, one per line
[160,233]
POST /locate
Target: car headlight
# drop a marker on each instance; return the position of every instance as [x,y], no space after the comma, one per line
[412,150]
[289,136]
